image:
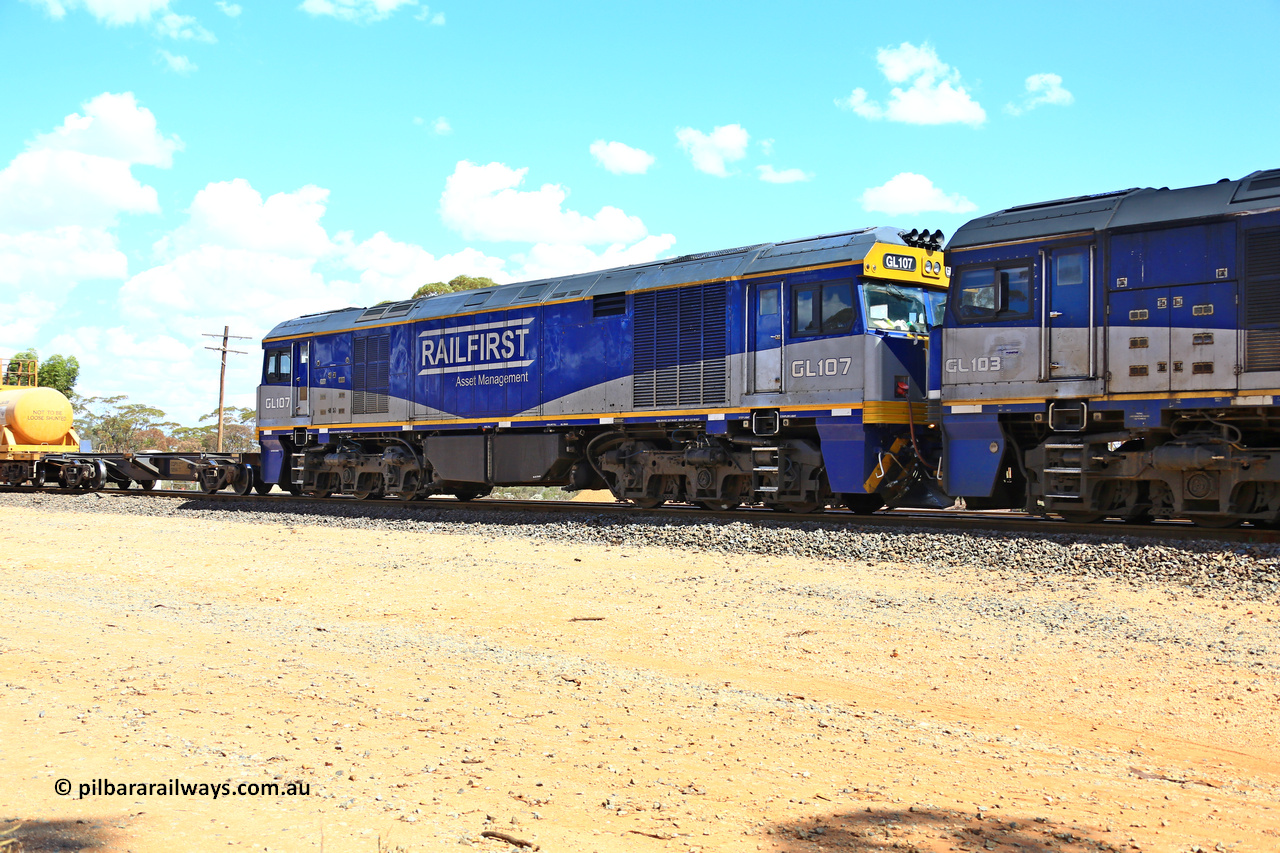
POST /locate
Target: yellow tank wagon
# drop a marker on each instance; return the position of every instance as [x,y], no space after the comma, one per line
[34,422]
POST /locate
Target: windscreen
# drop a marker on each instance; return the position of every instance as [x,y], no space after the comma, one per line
[900,308]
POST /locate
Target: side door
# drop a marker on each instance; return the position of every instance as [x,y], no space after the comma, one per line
[1068,313]
[766,338]
[301,374]
[1202,334]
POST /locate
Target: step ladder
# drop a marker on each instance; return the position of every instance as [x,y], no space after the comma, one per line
[765,470]
[1064,470]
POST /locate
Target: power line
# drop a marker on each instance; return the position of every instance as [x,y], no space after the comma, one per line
[222,379]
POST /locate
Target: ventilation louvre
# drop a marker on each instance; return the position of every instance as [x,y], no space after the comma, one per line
[1262,349]
[1262,276]
[370,374]
[680,347]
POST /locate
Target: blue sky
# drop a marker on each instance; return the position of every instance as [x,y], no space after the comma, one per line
[168,167]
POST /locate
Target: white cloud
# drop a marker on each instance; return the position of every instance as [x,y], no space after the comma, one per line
[1042,89]
[436,20]
[934,95]
[441,126]
[546,260]
[766,145]
[233,215]
[359,11]
[113,126]
[232,10]
[621,159]
[178,63]
[112,12]
[183,28]
[80,174]
[710,152]
[484,202]
[908,192]
[59,200]
[787,176]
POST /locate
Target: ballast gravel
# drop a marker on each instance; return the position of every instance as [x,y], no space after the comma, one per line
[1245,571]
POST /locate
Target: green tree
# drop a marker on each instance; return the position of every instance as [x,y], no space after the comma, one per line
[453,285]
[239,429]
[115,425]
[60,372]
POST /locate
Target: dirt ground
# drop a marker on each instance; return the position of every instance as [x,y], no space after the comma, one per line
[430,688]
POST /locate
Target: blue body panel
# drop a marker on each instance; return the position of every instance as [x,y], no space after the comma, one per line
[970,466]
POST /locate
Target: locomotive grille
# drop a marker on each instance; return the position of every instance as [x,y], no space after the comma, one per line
[1262,349]
[1262,276]
[680,347]
[370,374]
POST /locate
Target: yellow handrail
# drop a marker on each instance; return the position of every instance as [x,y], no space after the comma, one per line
[19,373]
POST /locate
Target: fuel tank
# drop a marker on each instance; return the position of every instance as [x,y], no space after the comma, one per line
[30,416]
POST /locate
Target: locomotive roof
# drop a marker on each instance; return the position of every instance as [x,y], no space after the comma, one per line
[1121,209]
[844,246]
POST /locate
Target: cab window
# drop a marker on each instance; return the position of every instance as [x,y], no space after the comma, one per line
[992,293]
[822,309]
[896,307]
[278,369]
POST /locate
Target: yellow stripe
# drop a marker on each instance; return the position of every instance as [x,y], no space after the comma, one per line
[1023,242]
[580,417]
[892,412]
[1125,397]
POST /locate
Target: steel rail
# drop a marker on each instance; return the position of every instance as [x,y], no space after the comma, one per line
[1000,521]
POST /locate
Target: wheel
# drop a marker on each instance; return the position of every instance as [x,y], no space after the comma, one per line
[369,494]
[122,483]
[471,494]
[37,477]
[99,478]
[244,483]
[648,503]
[319,494]
[718,506]
[863,504]
[145,485]
[261,487]
[293,489]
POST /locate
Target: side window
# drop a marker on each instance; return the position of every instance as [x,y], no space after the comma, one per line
[837,308]
[992,293]
[1068,268]
[822,309]
[277,368]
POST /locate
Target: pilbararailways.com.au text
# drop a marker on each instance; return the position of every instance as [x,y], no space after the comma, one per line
[178,788]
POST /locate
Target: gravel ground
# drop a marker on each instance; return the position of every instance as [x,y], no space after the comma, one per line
[1245,572]
[595,683]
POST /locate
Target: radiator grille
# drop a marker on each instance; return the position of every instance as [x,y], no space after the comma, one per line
[1262,276]
[370,374]
[680,347]
[1262,349]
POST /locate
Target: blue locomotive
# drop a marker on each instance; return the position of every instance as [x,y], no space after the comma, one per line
[785,374]
[1116,355]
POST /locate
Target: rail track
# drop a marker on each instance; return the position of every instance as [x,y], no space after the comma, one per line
[997,520]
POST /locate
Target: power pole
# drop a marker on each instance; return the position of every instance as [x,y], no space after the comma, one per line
[222,379]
